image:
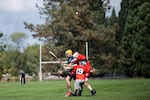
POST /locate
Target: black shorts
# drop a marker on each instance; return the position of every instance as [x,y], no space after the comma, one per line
[72,76]
[69,73]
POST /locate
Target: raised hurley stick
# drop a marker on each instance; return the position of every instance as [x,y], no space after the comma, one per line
[53,54]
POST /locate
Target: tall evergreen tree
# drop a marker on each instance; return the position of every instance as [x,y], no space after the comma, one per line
[136,38]
[113,18]
[122,18]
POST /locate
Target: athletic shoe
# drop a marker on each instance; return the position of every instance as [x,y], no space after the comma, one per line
[77,92]
[93,92]
[68,94]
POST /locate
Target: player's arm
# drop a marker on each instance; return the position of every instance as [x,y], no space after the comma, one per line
[92,70]
[68,66]
[71,63]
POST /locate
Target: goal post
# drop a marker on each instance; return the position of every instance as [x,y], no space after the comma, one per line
[40,71]
[86,50]
[45,62]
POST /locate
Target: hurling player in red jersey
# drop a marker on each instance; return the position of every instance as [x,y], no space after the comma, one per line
[81,58]
[80,75]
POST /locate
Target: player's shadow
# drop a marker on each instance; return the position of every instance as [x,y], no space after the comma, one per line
[87,95]
[84,96]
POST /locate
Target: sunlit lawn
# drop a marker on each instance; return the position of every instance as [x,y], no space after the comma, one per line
[119,89]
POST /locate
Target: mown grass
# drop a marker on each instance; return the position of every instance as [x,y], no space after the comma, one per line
[120,89]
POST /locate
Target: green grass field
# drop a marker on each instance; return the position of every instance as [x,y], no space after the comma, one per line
[120,89]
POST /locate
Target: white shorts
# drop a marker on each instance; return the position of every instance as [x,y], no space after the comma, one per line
[78,84]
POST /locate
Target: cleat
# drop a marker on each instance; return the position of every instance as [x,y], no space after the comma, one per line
[68,94]
[93,92]
[77,92]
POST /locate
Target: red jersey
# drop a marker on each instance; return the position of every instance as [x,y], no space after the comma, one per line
[83,66]
[80,72]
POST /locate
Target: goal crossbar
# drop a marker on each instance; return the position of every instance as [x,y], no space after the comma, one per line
[52,62]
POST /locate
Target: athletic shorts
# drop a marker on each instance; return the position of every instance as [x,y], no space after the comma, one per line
[68,73]
[71,75]
[78,84]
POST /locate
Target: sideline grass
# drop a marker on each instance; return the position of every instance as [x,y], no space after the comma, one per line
[120,89]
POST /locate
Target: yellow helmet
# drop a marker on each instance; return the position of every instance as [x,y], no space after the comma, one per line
[69,51]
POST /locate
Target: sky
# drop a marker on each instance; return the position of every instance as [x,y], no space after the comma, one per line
[116,5]
[14,12]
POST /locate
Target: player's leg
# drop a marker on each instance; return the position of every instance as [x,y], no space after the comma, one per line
[68,83]
[24,80]
[21,80]
[89,87]
[78,87]
[81,85]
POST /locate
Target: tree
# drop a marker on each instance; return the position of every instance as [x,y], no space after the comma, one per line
[18,38]
[136,37]
[2,44]
[30,60]
[123,16]
[70,23]
[7,62]
[113,18]
[1,34]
